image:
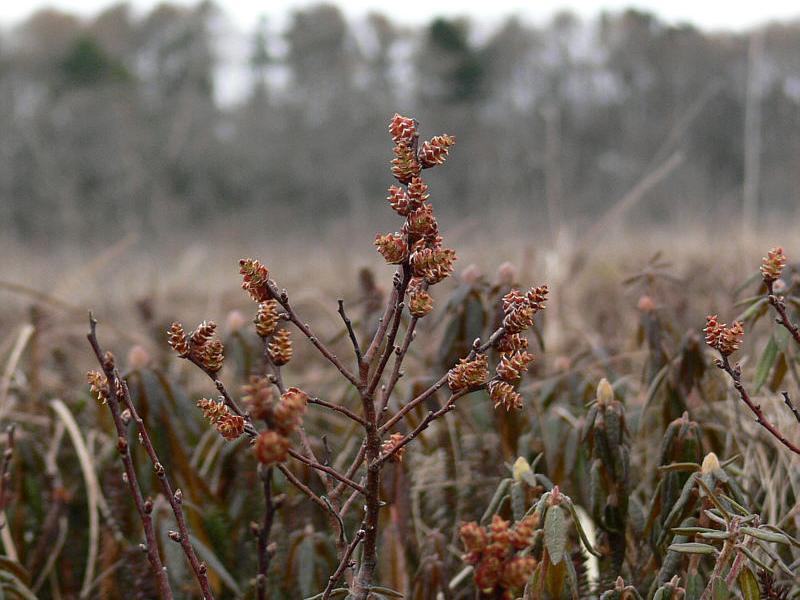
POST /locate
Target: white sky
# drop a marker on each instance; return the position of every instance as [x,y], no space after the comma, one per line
[714,14]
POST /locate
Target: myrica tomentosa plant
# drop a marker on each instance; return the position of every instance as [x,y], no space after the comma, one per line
[270,411]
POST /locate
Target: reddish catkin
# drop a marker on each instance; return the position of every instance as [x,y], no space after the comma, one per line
[393,247]
[202,334]
[731,338]
[258,396]
[400,201]
[772,265]
[468,373]
[289,410]
[713,330]
[178,340]
[519,319]
[513,366]
[511,342]
[228,425]
[418,191]
[503,394]
[420,303]
[388,447]
[255,278]
[271,448]
[280,348]
[402,129]
[433,264]
[98,385]
[267,318]
[405,165]
[422,223]
[435,151]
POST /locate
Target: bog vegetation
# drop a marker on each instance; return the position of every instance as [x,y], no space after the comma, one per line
[421,443]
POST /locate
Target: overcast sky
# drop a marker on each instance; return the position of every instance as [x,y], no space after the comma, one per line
[715,14]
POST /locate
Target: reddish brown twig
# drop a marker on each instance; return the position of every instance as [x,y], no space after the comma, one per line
[263,530]
[326,469]
[735,374]
[344,564]
[338,408]
[144,508]
[790,405]
[5,476]
[352,334]
[783,319]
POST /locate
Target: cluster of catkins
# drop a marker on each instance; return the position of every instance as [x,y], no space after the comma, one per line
[473,372]
[418,243]
[721,337]
[497,553]
[283,415]
[200,347]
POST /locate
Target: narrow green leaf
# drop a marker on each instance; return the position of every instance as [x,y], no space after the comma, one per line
[748,585]
[693,548]
[555,533]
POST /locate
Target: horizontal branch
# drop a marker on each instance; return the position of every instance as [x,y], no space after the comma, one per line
[326,469]
[338,408]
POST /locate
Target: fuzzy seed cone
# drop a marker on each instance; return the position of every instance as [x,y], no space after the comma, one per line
[401,202]
[420,303]
[513,366]
[432,264]
[211,355]
[258,397]
[271,448]
[713,330]
[393,247]
[435,151]
[468,374]
[422,223]
[177,339]
[404,164]
[402,129]
[280,348]
[503,394]
[537,296]
[389,445]
[203,333]
[772,264]
[519,319]
[266,320]
[290,410]
[98,385]
[517,572]
[254,279]
[509,343]
[418,190]
[731,338]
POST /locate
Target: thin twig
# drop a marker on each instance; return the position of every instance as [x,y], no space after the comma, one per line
[790,405]
[325,469]
[351,332]
[5,476]
[338,408]
[263,532]
[736,375]
[783,319]
[144,509]
[343,564]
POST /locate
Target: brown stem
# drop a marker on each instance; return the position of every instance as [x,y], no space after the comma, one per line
[338,408]
[326,469]
[790,405]
[396,373]
[283,299]
[264,554]
[175,498]
[343,564]
[5,476]
[383,323]
[143,508]
[736,375]
[783,318]
[351,332]
[390,347]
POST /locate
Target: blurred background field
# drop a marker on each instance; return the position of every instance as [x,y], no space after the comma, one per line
[641,165]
